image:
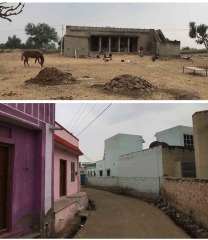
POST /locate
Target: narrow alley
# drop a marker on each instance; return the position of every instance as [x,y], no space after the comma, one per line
[118,216]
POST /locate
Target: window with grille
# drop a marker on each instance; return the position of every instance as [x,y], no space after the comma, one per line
[101,173]
[188,141]
[72,171]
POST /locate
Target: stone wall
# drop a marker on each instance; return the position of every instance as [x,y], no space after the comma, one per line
[189,196]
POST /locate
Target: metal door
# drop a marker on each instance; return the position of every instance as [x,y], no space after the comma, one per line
[188,169]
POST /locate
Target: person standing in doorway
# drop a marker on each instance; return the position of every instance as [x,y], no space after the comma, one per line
[141,51]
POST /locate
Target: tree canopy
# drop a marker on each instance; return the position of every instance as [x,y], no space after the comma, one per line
[199,33]
[13,42]
[42,34]
[7,11]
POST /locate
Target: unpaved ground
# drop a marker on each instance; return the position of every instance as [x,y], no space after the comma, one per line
[166,76]
[119,216]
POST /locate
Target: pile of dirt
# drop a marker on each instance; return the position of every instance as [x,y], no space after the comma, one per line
[128,83]
[62,98]
[51,76]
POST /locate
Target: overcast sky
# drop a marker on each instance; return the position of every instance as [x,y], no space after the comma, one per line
[172,18]
[144,119]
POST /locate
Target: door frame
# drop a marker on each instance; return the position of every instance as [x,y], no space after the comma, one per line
[65,163]
[8,187]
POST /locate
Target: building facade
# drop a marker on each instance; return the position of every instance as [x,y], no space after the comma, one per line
[116,146]
[26,167]
[66,160]
[91,169]
[80,40]
[200,125]
[177,136]
[67,195]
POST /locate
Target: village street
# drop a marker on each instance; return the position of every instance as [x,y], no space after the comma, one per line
[118,216]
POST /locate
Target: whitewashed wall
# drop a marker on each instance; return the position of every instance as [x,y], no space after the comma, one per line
[174,136]
[139,174]
[118,145]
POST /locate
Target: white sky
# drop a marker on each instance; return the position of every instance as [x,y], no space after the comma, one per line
[172,18]
[129,118]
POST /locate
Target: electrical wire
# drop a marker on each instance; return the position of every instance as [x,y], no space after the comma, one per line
[74,116]
[79,116]
[24,29]
[173,29]
[95,118]
[89,159]
[85,116]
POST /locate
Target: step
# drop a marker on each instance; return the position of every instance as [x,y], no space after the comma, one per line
[31,235]
[84,213]
[62,203]
[80,209]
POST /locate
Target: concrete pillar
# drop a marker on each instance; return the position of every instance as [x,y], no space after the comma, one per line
[109,45]
[128,44]
[119,44]
[99,44]
[200,127]
[138,44]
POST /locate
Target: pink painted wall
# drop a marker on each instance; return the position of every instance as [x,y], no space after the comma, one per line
[62,217]
[72,187]
[66,136]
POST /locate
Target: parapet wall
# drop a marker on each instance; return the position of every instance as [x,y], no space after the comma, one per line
[107,29]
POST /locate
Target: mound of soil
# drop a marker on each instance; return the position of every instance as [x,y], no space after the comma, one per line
[128,83]
[62,98]
[51,76]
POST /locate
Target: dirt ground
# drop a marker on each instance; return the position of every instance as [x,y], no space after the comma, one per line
[165,76]
[118,216]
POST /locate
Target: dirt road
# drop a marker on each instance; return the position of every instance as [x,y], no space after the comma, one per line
[91,74]
[118,216]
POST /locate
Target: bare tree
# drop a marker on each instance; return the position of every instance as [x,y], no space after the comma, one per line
[7,11]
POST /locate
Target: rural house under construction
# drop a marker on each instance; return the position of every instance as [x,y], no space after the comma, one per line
[80,40]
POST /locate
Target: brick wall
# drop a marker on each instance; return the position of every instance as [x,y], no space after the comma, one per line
[189,196]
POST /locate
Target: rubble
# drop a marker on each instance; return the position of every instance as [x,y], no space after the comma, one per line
[51,76]
[128,83]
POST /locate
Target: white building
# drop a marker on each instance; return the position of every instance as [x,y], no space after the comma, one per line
[116,146]
[177,136]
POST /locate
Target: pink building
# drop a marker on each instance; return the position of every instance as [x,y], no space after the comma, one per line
[67,196]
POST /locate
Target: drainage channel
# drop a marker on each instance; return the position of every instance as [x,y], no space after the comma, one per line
[81,224]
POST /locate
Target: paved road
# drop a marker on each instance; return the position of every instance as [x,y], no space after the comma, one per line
[118,216]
